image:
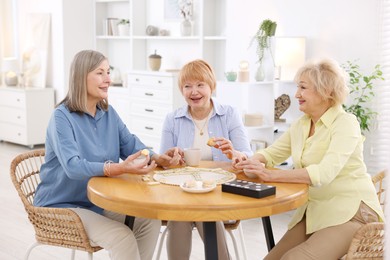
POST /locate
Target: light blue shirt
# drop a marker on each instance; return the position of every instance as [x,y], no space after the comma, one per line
[225,121]
[77,145]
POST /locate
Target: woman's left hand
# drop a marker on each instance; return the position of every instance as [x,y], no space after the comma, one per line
[255,167]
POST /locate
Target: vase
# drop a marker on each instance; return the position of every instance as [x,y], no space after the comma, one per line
[260,75]
[186,28]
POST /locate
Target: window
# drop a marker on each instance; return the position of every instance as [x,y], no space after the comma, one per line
[380,136]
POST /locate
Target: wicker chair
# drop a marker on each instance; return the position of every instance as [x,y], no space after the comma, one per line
[53,226]
[368,241]
[229,226]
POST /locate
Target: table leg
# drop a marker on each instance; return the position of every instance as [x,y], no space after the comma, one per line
[129,221]
[210,240]
[269,236]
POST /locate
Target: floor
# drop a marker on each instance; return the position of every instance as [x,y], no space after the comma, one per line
[17,234]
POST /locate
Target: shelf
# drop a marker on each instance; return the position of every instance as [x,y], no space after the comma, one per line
[110,1]
[259,127]
[108,37]
[141,37]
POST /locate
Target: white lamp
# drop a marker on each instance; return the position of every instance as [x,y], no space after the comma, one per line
[11,68]
[289,55]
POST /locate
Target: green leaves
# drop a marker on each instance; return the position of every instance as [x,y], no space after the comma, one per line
[266,30]
[361,93]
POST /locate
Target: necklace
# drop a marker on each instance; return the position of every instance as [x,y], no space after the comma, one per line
[201,121]
[201,128]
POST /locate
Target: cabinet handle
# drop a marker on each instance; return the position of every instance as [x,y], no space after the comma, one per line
[18,117]
[17,100]
[19,134]
[148,128]
[148,110]
[149,94]
[159,82]
[137,79]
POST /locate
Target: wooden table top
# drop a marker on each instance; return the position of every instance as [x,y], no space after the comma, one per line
[129,194]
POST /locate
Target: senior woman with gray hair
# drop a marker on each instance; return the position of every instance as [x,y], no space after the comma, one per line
[326,146]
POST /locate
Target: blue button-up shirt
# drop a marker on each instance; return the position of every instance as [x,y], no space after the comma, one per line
[225,121]
[77,145]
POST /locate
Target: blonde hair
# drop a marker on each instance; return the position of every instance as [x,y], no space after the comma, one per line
[83,63]
[328,78]
[197,70]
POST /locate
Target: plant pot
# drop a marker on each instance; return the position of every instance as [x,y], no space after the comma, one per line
[123,30]
[186,28]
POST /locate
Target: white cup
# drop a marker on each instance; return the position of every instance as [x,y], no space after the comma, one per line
[192,156]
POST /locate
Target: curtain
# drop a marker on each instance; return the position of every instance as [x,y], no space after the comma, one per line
[379,149]
[8,34]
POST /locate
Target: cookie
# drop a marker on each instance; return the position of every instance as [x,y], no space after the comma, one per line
[211,142]
[145,152]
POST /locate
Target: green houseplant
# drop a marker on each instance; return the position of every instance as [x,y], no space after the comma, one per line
[266,30]
[263,35]
[361,93]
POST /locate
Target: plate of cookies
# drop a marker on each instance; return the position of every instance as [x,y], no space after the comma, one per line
[193,186]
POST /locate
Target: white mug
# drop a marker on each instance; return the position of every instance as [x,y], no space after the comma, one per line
[192,156]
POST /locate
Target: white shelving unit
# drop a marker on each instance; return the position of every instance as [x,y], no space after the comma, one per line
[128,53]
[250,98]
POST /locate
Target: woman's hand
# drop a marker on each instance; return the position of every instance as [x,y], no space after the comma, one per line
[131,166]
[227,148]
[171,157]
[254,166]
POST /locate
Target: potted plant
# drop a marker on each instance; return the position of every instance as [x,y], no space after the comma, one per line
[361,93]
[124,27]
[263,35]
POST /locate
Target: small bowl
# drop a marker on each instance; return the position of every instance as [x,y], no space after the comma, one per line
[250,175]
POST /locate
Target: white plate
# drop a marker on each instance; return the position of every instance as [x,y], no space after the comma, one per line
[197,190]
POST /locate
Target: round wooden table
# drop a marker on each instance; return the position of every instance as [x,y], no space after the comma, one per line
[130,195]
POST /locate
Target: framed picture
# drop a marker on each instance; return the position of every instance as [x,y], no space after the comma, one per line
[171,10]
[178,9]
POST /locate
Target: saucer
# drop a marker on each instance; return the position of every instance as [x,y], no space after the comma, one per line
[196,189]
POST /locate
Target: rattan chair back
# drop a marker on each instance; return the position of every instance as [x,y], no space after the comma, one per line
[53,226]
[368,241]
[378,181]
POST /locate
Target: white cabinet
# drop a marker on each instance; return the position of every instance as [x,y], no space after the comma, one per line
[24,114]
[208,40]
[143,105]
[251,98]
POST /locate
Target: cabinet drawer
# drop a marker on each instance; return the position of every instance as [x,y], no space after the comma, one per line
[149,110]
[151,142]
[149,80]
[13,116]
[152,94]
[150,127]
[13,133]
[13,99]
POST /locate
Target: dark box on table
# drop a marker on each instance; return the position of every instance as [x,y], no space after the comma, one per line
[248,188]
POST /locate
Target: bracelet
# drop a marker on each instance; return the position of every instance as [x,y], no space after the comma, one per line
[107,168]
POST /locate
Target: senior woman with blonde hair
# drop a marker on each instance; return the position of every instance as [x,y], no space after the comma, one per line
[326,146]
[191,126]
